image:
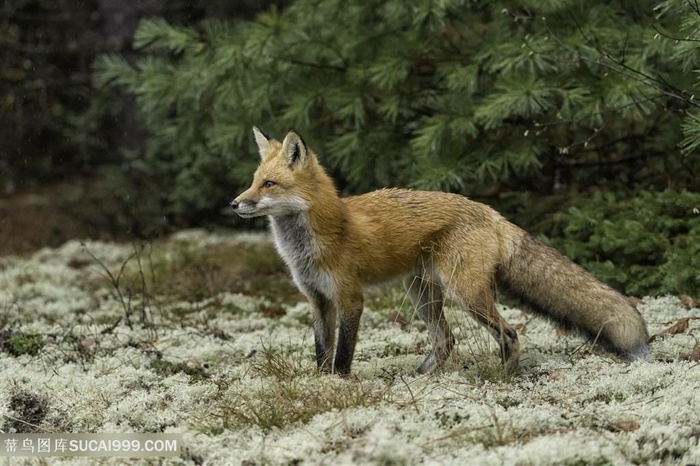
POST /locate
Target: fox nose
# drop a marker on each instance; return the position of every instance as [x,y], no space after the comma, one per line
[234,204]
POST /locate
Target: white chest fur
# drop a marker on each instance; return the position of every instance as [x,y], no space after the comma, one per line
[296,244]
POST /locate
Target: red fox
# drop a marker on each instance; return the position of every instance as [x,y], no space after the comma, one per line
[445,245]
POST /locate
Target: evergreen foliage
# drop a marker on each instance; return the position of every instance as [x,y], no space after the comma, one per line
[454,95]
[686,55]
[470,96]
[646,245]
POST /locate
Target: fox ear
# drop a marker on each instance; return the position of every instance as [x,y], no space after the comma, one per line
[295,149]
[263,141]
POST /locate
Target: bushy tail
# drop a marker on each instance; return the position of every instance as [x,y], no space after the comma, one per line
[561,290]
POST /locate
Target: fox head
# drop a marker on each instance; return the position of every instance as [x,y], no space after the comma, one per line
[285,180]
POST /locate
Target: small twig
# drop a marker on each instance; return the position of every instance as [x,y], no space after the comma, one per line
[670,37]
[111,328]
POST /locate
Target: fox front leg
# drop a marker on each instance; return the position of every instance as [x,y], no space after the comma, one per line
[324,317]
[350,313]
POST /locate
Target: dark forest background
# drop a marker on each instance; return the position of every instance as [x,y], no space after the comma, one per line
[576,119]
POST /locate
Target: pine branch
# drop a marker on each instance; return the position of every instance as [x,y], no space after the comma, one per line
[321,66]
[674,38]
[658,83]
[605,163]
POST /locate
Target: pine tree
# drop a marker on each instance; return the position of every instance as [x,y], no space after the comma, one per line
[462,95]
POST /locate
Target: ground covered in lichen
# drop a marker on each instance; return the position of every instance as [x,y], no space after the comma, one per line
[202,334]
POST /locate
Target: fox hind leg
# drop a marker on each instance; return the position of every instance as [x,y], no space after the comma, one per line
[477,296]
[426,296]
[481,305]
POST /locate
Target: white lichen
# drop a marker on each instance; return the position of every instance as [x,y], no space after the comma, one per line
[193,366]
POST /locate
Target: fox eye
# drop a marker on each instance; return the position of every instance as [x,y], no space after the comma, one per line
[268,184]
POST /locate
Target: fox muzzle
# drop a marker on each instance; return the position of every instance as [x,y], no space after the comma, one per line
[245,208]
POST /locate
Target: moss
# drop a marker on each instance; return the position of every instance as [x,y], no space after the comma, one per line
[165,368]
[19,343]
